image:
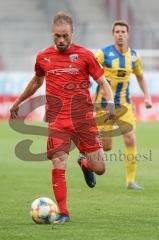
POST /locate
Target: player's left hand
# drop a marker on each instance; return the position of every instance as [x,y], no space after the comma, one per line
[148,103]
[110,111]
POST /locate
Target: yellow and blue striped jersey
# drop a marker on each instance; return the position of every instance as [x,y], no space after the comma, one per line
[117,68]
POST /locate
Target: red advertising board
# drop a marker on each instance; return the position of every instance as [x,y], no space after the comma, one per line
[142,114]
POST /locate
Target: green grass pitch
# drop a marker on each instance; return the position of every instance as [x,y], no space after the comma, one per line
[107,212]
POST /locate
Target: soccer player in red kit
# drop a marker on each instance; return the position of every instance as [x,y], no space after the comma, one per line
[66,68]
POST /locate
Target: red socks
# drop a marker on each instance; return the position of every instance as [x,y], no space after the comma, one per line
[60,189]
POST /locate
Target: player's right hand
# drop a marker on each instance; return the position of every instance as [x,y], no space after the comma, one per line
[14,111]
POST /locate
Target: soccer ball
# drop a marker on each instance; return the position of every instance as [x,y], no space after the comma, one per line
[43,210]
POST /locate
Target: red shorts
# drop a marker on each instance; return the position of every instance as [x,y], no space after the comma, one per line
[84,135]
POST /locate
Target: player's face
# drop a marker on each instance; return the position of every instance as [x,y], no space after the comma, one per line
[120,35]
[62,36]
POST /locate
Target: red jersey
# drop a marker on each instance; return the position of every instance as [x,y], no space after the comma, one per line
[67,79]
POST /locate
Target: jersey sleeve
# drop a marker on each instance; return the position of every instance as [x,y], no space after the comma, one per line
[38,70]
[138,70]
[95,70]
[100,57]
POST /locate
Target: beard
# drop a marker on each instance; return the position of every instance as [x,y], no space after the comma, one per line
[62,47]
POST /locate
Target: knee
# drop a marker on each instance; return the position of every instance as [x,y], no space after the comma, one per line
[107,148]
[107,144]
[99,168]
[130,141]
[59,160]
[100,171]
[96,161]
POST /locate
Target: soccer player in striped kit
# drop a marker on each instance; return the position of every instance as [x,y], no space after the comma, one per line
[119,61]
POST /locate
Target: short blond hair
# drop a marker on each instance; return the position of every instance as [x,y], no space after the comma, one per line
[63,18]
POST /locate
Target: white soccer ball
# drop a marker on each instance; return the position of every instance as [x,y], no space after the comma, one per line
[44,210]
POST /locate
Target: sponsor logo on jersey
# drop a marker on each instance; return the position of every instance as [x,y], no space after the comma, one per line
[60,71]
[121,73]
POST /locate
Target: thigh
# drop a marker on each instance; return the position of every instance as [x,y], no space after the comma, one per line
[59,140]
[86,137]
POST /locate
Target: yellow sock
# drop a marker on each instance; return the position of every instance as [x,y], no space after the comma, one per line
[130,164]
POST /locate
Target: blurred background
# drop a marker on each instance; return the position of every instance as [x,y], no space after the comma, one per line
[25,29]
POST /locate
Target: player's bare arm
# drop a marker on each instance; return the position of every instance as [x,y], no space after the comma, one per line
[105,88]
[30,89]
[143,86]
[107,93]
